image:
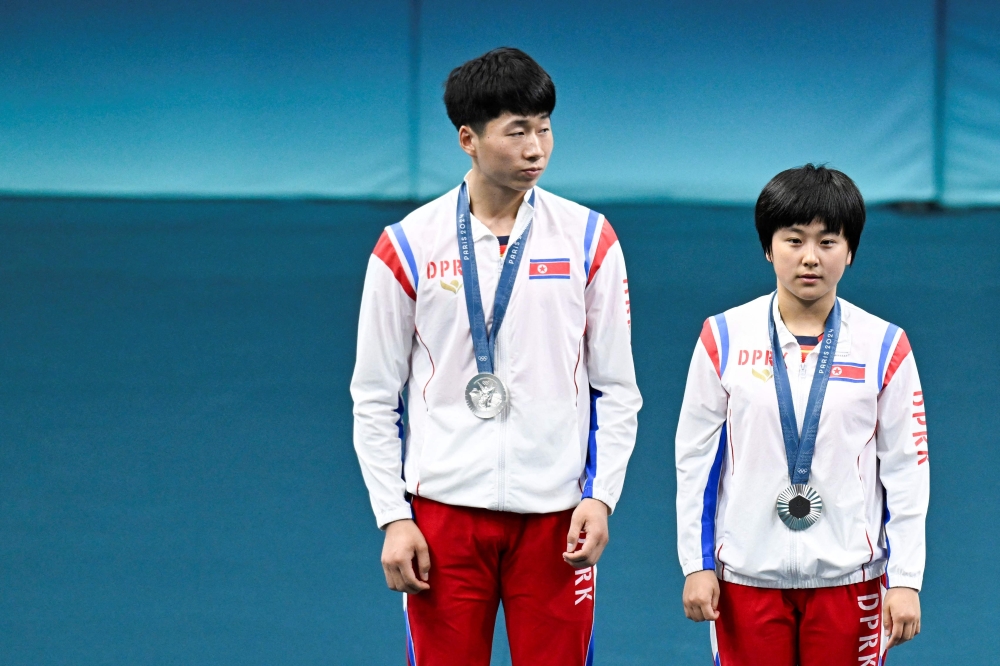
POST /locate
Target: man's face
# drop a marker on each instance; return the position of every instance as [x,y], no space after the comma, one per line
[512,151]
[808,260]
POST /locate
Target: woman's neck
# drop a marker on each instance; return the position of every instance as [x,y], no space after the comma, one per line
[806,318]
[494,205]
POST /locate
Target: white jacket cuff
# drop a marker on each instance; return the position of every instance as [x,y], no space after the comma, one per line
[384,518]
[900,579]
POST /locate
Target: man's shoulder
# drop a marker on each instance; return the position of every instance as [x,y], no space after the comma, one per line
[565,210]
[432,214]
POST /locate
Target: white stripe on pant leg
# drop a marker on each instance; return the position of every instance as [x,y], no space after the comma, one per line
[715,642]
[411,656]
[881,610]
[589,660]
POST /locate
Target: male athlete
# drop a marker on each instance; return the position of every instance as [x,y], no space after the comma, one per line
[496,317]
[802,473]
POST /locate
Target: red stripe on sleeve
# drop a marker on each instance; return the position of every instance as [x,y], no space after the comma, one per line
[902,350]
[708,339]
[607,239]
[385,251]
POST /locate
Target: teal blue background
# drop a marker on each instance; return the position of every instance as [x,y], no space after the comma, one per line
[177,478]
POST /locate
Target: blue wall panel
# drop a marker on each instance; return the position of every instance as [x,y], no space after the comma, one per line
[683,101]
[706,101]
[972,96]
[211,97]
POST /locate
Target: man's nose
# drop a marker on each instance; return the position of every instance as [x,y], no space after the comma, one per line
[533,150]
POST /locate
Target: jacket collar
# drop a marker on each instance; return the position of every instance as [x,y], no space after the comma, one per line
[525,214]
[787,340]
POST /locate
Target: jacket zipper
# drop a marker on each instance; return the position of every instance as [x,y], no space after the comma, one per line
[501,417]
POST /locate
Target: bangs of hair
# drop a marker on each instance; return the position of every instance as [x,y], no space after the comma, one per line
[505,80]
[806,193]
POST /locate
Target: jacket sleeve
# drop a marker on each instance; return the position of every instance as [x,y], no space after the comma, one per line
[700,452]
[385,338]
[614,396]
[903,463]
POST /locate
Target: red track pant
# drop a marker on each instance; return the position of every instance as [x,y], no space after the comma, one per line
[829,626]
[480,558]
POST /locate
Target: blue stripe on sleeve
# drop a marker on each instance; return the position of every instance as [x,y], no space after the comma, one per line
[404,245]
[720,322]
[590,469]
[711,501]
[588,240]
[890,335]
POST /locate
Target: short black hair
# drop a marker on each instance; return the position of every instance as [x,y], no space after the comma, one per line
[805,193]
[505,80]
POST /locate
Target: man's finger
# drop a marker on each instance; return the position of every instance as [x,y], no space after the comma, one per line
[573,536]
[424,561]
[393,580]
[388,577]
[909,631]
[708,612]
[410,582]
[582,557]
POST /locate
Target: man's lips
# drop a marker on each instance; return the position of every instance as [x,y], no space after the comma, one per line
[809,277]
[533,171]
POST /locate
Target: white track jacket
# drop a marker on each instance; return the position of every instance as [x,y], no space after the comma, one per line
[564,352]
[870,464]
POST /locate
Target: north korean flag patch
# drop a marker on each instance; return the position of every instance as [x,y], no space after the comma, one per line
[548,269]
[848,372]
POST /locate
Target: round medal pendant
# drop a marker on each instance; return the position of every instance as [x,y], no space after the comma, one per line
[799,506]
[486,395]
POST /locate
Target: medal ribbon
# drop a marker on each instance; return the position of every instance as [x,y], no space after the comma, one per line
[799,448]
[484,341]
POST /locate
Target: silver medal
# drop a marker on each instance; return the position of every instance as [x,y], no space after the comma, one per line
[486,395]
[799,506]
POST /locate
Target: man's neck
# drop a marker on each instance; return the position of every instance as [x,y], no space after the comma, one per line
[807,318]
[494,205]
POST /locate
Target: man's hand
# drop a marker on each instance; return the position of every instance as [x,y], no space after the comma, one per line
[590,517]
[701,596]
[901,615]
[403,543]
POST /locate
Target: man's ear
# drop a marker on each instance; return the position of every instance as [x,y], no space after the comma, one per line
[767,255]
[850,258]
[467,140]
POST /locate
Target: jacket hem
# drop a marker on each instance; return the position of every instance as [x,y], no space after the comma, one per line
[867,572]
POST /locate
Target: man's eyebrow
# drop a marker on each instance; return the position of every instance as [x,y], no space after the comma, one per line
[524,121]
